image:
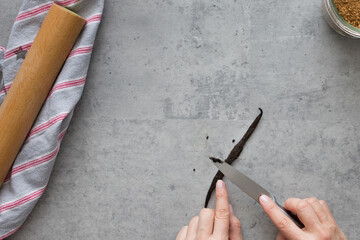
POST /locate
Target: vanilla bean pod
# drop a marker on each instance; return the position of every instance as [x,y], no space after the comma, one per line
[234,154]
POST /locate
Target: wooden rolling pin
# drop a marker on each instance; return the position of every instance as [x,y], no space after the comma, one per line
[34,80]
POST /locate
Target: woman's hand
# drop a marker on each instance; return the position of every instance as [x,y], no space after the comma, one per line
[314,214]
[220,224]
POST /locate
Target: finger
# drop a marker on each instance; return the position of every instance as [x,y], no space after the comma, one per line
[222,212]
[182,234]
[192,229]
[235,226]
[319,210]
[282,222]
[206,223]
[327,210]
[280,236]
[304,211]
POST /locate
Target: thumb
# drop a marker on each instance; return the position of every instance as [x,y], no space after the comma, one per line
[287,228]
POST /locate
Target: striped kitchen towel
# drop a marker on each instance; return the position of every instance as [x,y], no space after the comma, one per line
[27,179]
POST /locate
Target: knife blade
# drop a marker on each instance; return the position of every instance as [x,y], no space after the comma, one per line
[250,187]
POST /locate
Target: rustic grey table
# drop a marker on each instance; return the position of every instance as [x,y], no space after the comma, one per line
[165,75]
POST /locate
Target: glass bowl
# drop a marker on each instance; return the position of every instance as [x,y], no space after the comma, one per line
[334,19]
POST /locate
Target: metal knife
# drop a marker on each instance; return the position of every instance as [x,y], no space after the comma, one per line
[250,187]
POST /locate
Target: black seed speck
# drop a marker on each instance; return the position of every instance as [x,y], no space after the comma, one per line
[253,225]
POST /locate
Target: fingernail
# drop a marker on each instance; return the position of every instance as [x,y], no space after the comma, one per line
[220,184]
[231,209]
[264,199]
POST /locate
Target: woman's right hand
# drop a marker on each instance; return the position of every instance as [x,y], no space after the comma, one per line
[314,214]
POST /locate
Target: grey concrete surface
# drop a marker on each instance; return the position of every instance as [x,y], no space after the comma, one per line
[166,74]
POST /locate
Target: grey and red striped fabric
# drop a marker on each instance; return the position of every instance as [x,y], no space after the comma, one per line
[30,173]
